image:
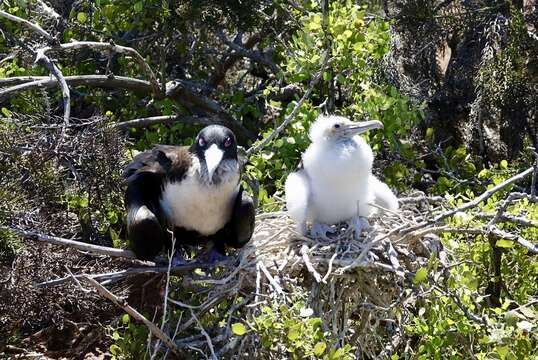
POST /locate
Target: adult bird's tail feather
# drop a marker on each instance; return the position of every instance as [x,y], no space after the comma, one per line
[384,196]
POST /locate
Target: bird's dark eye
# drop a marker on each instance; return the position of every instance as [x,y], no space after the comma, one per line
[227,142]
[336,126]
[201,142]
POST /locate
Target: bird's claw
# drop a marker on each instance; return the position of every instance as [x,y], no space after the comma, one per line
[212,257]
[359,224]
[178,259]
[319,231]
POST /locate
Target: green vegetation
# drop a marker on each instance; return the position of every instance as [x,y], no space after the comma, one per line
[480,302]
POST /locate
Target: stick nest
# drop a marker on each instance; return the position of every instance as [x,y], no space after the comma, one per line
[357,287]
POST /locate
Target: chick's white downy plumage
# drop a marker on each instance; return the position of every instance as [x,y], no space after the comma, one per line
[335,182]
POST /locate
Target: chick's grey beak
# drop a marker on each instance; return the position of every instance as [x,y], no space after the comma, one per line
[213,156]
[361,127]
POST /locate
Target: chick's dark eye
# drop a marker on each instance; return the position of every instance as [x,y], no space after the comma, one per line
[227,142]
[336,126]
[201,142]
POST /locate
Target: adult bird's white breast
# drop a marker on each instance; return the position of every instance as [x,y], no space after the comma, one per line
[200,205]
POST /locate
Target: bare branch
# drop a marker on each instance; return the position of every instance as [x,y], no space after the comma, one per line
[79,80]
[253,55]
[57,73]
[183,93]
[47,9]
[136,315]
[107,47]
[166,119]
[483,197]
[510,218]
[311,269]
[271,279]
[229,60]
[257,147]
[494,232]
[116,275]
[94,249]
[16,80]
[206,335]
[34,27]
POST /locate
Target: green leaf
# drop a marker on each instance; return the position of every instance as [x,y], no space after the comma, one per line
[420,275]
[294,333]
[290,140]
[125,319]
[503,165]
[502,243]
[6,112]
[319,348]
[82,17]
[429,134]
[239,329]
[114,349]
[139,6]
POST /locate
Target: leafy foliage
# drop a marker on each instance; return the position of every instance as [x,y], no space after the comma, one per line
[457,310]
[293,330]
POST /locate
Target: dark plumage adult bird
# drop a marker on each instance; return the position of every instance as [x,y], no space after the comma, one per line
[193,192]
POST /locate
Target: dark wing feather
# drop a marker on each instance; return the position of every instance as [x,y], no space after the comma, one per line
[242,221]
[145,177]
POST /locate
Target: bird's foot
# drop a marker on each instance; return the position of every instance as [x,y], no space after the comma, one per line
[319,231]
[212,256]
[178,259]
[359,224]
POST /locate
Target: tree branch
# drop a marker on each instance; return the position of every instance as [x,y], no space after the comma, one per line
[94,249]
[166,119]
[493,232]
[136,315]
[57,73]
[179,269]
[34,27]
[257,147]
[229,60]
[244,52]
[79,80]
[483,197]
[184,94]
[107,47]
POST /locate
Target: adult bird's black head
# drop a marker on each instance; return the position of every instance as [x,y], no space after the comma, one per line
[216,150]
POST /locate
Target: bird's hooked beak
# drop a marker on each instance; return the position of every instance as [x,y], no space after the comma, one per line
[213,156]
[350,130]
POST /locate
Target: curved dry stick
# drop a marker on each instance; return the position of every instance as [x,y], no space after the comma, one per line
[107,47]
[80,80]
[94,249]
[470,204]
[136,315]
[494,232]
[66,95]
[36,28]
[257,147]
[16,80]
[166,119]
